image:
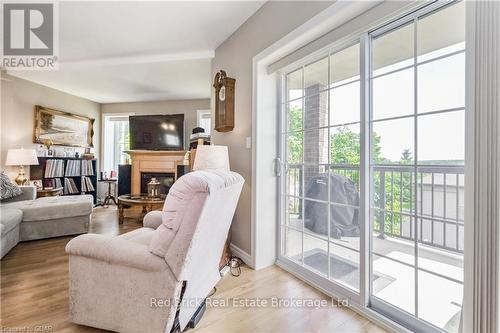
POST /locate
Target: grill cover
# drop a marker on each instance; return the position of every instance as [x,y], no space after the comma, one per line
[343,219]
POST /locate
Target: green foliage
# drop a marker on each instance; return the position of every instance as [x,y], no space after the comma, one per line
[345,147]
[406,157]
[295,138]
[126,140]
[392,198]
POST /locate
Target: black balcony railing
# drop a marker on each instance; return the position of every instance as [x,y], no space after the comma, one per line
[426,200]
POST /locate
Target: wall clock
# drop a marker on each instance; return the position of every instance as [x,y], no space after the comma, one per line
[224,102]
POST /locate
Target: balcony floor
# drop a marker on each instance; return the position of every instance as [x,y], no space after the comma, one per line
[439,298]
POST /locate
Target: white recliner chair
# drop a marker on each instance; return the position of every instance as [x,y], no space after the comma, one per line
[150,278]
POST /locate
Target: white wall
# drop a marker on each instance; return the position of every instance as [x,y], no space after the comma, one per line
[187,107]
[18,98]
[273,21]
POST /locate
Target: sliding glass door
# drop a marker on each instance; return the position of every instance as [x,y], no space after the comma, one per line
[417,167]
[321,145]
[372,193]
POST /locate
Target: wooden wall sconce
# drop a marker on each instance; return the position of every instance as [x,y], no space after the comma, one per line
[224,102]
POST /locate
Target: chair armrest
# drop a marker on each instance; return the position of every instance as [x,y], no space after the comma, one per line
[115,250]
[152,219]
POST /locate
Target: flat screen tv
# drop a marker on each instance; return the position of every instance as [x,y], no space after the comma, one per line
[157,132]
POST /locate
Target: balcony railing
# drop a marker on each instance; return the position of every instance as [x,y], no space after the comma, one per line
[439,191]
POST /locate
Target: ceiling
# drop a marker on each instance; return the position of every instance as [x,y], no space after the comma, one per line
[140,51]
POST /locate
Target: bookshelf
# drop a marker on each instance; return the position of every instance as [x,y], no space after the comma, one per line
[76,175]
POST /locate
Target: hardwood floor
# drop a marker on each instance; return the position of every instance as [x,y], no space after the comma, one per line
[34,292]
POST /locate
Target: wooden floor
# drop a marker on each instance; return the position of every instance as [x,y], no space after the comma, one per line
[34,293]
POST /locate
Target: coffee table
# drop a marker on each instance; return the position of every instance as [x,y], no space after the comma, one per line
[143,200]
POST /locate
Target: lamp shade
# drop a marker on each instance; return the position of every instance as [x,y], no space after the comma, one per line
[211,157]
[21,157]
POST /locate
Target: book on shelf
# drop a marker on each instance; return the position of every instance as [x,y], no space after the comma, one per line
[70,186]
[87,168]
[73,168]
[51,183]
[196,136]
[54,168]
[87,185]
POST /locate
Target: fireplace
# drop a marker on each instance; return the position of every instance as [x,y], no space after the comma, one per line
[166,180]
[152,161]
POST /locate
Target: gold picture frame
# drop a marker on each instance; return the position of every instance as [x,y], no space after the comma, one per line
[62,128]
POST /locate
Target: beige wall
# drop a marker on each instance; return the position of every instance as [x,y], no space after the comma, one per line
[272,22]
[18,98]
[187,107]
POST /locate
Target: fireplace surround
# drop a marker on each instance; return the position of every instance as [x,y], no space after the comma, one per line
[150,161]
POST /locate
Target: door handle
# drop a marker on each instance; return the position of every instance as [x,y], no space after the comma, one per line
[278,165]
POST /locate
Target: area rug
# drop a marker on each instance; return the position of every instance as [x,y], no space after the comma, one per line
[341,269]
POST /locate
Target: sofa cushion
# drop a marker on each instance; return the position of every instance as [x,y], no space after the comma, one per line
[49,208]
[9,219]
[7,188]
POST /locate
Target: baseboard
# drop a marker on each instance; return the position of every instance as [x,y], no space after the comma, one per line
[247,258]
[224,270]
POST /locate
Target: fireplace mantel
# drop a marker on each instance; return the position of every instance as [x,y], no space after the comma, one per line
[156,152]
[153,161]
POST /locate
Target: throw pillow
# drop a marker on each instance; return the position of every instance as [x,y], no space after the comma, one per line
[7,188]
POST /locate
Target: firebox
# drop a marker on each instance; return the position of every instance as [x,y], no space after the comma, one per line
[166,181]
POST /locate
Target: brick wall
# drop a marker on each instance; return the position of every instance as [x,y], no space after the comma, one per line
[315,141]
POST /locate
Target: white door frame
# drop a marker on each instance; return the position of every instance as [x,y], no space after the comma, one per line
[265,245]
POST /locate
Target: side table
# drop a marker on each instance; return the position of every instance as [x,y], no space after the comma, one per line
[49,192]
[109,194]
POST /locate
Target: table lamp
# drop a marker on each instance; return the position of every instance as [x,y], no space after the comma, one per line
[211,157]
[21,157]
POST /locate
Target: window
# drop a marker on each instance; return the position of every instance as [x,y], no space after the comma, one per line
[204,120]
[116,141]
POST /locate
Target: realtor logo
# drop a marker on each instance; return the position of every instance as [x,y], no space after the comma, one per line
[28,29]
[29,33]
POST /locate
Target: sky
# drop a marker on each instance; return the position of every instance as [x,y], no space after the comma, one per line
[441,85]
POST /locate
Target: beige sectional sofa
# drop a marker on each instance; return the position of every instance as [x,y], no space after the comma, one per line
[26,218]
[9,228]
